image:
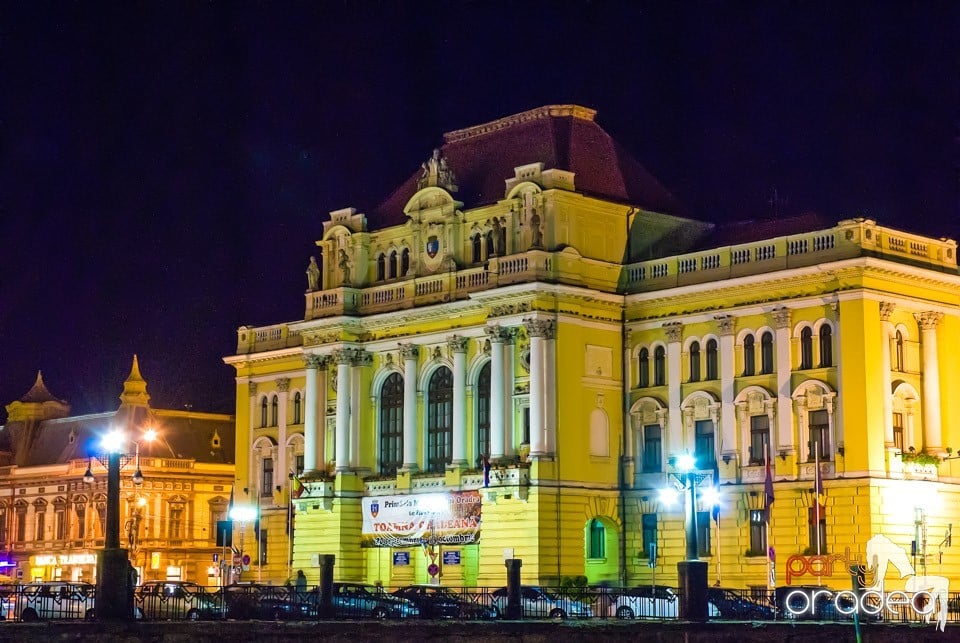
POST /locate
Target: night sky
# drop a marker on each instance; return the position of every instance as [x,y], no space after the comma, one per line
[166,167]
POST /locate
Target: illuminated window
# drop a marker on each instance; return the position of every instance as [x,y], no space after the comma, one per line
[391,424]
[704,448]
[596,538]
[820,435]
[440,420]
[898,431]
[749,356]
[483,411]
[766,353]
[648,528]
[644,376]
[758,533]
[759,438]
[806,348]
[659,366]
[695,362]
[652,441]
[826,346]
[175,523]
[712,361]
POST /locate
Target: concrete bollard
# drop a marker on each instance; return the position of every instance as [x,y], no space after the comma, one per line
[514,606]
[326,585]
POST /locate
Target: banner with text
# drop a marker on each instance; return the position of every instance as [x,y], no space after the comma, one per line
[423,519]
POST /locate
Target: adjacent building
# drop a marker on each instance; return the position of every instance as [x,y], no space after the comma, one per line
[53,487]
[505,357]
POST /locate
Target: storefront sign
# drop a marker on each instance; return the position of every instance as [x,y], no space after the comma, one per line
[451,557]
[401,558]
[423,519]
[63,560]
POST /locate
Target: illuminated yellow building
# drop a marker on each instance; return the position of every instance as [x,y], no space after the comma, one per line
[52,519]
[531,297]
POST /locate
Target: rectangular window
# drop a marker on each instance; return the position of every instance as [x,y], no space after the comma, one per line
[21,525]
[813,532]
[60,524]
[652,456]
[81,512]
[704,449]
[703,533]
[758,532]
[526,425]
[266,478]
[40,533]
[298,463]
[759,438]
[819,435]
[898,431]
[3,528]
[263,546]
[648,525]
[176,523]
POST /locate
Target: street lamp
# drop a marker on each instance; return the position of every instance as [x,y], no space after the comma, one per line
[242,514]
[692,572]
[114,582]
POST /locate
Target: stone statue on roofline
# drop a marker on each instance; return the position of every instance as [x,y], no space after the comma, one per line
[344,264]
[313,275]
[437,173]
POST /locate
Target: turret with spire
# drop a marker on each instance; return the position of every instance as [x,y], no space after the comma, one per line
[135,388]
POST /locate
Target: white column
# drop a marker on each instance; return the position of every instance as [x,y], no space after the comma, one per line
[342,439]
[283,386]
[315,407]
[674,443]
[497,392]
[784,417]
[728,412]
[550,388]
[509,408]
[410,353]
[537,330]
[931,381]
[886,309]
[361,360]
[458,346]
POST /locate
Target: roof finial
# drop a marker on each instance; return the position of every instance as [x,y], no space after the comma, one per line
[135,388]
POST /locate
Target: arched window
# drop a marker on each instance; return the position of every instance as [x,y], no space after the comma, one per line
[483,412]
[477,249]
[644,380]
[490,249]
[806,348]
[297,408]
[391,424]
[275,411]
[899,364]
[404,262]
[826,346]
[503,241]
[393,264]
[659,366]
[695,362]
[749,356]
[712,370]
[381,267]
[263,412]
[596,538]
[766,353]
[440,420]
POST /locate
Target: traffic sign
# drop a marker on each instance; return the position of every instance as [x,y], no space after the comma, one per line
[433,569]
[246,559]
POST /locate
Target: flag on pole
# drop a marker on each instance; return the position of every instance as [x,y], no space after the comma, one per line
[818,485]
[486,471]
[296,486]
[768,483]
[715,511]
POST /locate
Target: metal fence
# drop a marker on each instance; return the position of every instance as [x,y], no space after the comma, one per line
[169,600]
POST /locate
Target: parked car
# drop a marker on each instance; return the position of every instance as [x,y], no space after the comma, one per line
[8,601]
[177,600]
[353,600]
[55,600]
[644,601]
[735,604]
[539,603]
[274,602]
[435,601]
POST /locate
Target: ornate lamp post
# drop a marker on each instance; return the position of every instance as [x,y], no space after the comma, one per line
[692,572]
[114,581]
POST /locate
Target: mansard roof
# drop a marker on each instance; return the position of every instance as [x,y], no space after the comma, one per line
[758,229]
[564,137]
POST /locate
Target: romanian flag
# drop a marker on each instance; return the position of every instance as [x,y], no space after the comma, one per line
[296,487]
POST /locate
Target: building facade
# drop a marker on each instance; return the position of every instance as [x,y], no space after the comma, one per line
[506,363]
[52,516]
